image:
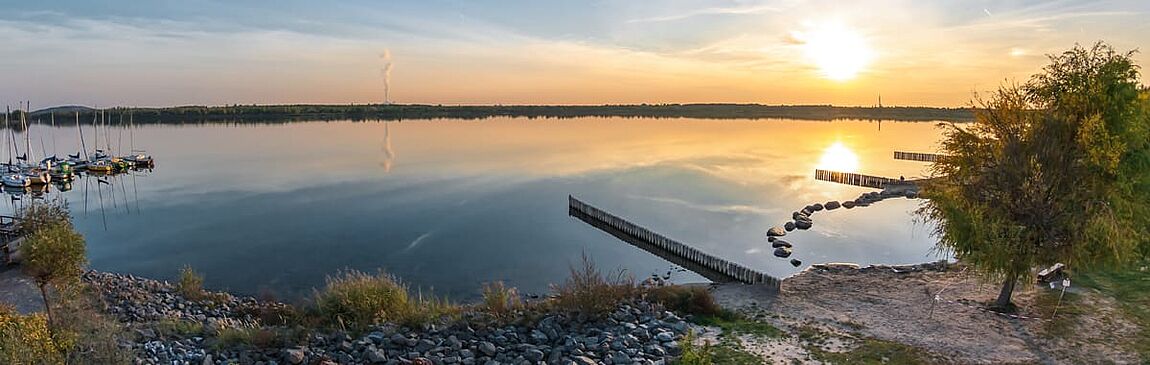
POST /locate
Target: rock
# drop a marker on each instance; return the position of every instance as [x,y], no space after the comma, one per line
[534,355]
[375,356]
[783,252]
[807,211]
[398,339]
[295,356]
[620,358]
[790,226]
[487,348]
[849,204]
[146,333]
[798,215]
[803,224]
[776,231]
[422,361]
[796,262]
[911,194]
[665,337]
[781,243]
[771,239]
[582,360]
[832,205]
[208,360]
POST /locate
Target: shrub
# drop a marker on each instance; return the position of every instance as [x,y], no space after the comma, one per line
[694,300]
[588,292]
[90,336]
[356,299]
[39,215]
[191,284]
[694,354]
[26,339]
[500,300]
[54,255]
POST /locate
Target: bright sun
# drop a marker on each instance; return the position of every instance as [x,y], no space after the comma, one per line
[839,158]
[839,52]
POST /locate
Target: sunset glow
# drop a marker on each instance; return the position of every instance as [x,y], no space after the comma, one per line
[840,53]
[839,158]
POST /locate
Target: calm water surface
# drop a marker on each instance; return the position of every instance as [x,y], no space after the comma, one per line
[449,204]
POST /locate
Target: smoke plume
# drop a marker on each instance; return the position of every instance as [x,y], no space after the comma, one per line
[385,58]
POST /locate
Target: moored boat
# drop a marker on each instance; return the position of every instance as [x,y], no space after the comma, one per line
[15,180]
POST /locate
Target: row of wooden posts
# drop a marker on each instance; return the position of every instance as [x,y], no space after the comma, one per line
[850,178]
[734,271]
[915,156]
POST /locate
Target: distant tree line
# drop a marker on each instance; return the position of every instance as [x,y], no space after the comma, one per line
[288,113]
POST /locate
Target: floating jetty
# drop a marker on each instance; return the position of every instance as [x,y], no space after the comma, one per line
[709,266]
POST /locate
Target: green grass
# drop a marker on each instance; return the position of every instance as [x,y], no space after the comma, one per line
[1131,288]
[872,351]
[732,323]
[727,351]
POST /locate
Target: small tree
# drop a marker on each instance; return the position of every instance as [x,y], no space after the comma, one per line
[1052,171]
[54,254]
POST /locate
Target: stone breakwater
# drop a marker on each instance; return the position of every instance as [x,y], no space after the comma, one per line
[636,333]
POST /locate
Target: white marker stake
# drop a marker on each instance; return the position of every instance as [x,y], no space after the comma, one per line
[1065,284]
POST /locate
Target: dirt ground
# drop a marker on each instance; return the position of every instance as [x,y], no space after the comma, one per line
[851,304]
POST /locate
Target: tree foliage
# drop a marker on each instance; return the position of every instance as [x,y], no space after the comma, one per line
[1051,171]
[54,253]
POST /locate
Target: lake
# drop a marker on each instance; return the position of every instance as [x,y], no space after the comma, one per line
[447,205]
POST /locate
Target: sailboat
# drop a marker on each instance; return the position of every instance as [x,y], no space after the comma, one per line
[138,158]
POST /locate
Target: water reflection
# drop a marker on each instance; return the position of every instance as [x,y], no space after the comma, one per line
[281,206]
[839,158]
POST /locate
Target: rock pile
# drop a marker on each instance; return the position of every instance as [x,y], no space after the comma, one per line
[637,333]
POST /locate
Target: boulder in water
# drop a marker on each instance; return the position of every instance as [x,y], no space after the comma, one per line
[849,204]
[790,226]
[771,238]
[783,252]
[911,194]
[832,205]
[796,262]
[803,224]
[780,243]
[797,215]
[776,231]
[817,207]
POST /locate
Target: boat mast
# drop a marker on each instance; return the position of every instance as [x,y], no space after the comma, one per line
[27,135]
[83,148]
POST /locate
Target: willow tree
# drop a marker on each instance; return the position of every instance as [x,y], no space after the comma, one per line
[1055,170]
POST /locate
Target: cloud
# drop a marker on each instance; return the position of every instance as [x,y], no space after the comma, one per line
[736,10]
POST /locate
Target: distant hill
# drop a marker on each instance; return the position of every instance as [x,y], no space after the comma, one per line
[63,109]
[288,113]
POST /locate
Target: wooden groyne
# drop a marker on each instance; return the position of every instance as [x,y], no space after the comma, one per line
[710,267]
[850,178]
[915,156]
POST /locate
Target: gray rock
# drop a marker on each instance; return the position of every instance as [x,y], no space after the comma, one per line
[375,356]
[295,356]
[398,339]
[487,348]
[816,207]
[208,360]
[849,204]
[796,262]
[832,205]
[782,252]
[771,239]
[790,226]
[534,355]
[582,360]
[776,231]
[665,337]
[781,243]
[621,358]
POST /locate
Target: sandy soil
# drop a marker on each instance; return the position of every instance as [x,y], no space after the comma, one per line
[877,302]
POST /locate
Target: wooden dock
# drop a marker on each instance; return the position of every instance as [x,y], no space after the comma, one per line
[710,267]
[10,239]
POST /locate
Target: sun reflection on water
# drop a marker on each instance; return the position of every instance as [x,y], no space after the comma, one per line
[838,157]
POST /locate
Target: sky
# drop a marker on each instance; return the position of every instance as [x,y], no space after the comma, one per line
[196,52]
